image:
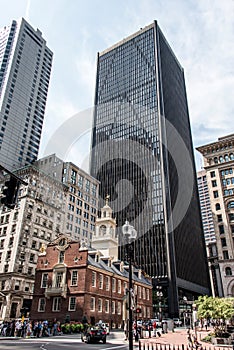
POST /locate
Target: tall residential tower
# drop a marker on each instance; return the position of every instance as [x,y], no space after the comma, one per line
[25,67]
[143,157]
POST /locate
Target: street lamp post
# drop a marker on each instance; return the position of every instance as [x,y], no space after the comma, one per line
[130,234]
[159,294]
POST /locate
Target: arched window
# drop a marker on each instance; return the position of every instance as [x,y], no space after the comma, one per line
[216,160]
[231,204]
[230,192]
[231,156]
[226,158]
[103,230]
[225,192]
[217,206]
[221,159]
[228,271]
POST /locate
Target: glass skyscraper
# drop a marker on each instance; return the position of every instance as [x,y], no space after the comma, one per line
[25,67]
[143,157]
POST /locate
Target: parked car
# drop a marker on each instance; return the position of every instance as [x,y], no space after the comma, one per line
[94,334]
[177,322]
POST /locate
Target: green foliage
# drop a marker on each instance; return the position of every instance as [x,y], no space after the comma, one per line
[218,309]
[208,338]
[73,327]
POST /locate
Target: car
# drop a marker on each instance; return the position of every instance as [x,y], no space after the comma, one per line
[94,334]
[177,322]
[104,326]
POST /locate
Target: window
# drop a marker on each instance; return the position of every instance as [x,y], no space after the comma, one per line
[119,308]
[231,216]
[231,204]
[107,283]
[58,281]
[119,286]
[107,306]
[217,206]
[93,279]
[72,304]
[44,280]
[212,173]
[225,255]
[221,229]
[215,194]
[139,291]
[100,281]
[126,286]
[113,307]
[113,285]
[61,257]
[147,294]
[219,218]
[74,278]
[228,271]
[17,285]
[99,305]
[214,183]
[223,242]
[27,287]
[41,304]
[56,304]
[92,304]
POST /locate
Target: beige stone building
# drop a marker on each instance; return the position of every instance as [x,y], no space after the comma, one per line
[219,165]
[82,200]
[57,197]
[36,219]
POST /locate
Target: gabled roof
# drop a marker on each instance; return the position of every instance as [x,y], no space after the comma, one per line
[113,269]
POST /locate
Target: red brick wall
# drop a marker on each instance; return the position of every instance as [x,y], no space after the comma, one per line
[83,292]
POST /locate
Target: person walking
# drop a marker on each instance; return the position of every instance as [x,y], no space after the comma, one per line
[189,339]
[154,327]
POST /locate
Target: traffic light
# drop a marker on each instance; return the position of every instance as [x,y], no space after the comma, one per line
[9,192]
[138,310]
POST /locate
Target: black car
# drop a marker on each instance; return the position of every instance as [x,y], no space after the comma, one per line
[94,334]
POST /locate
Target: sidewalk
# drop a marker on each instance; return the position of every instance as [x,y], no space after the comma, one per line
[179,337]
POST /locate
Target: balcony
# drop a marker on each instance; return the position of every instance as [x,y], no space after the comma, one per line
[56,291]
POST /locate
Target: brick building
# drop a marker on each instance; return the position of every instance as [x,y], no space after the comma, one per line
[72,280]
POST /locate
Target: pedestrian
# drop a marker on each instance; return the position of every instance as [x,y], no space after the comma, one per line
[189,339]
[165,327]
[149,328]
[84,321]
[154,327]
[126,330]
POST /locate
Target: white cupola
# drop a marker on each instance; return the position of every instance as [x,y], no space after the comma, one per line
[104,239]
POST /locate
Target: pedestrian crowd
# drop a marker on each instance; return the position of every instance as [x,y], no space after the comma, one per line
[27,328]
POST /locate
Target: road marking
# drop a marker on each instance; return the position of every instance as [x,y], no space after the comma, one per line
[115,347]
[42,346]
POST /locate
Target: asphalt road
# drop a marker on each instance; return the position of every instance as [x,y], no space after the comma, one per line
[60,343]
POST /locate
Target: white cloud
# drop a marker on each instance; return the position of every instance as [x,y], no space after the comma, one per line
[201,33]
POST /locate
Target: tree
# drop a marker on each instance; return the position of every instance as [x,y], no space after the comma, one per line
[218,309]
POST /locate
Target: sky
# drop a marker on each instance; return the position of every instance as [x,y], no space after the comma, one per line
[200,32]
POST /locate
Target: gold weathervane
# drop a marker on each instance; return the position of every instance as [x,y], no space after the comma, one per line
[107,198]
